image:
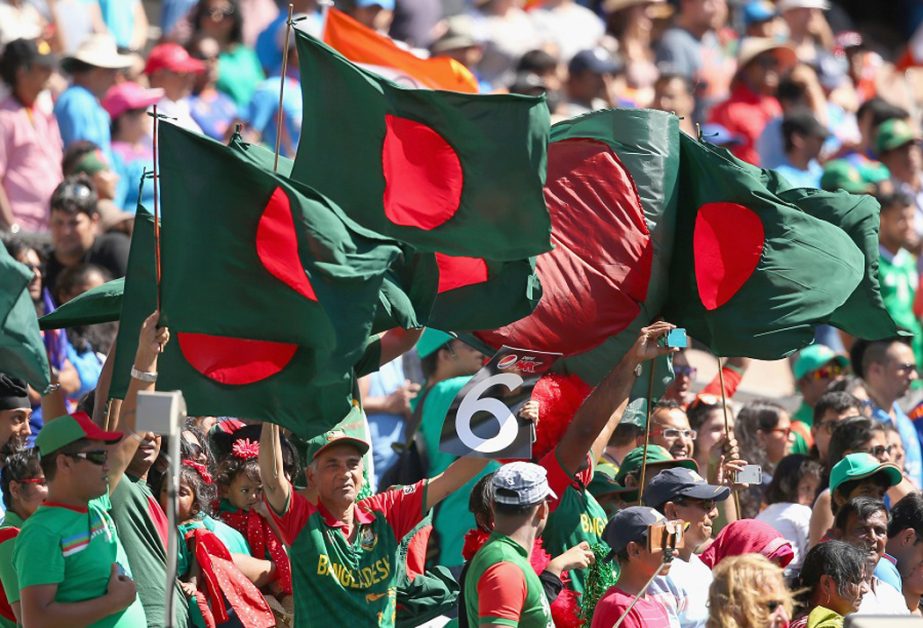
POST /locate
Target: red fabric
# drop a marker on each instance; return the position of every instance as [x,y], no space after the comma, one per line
[416,552]
[732,381]
[221,580]
[598,273]
[748,536]
[560,480]
[262,540]
[501,592]
[746,114]
[458,272]
[728,243]
[5,609]
[277,245]
[559,397]
[423,175]
[159,519]
[234,361]
[565,609]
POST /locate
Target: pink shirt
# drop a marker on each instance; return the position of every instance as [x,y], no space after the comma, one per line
[648,612]
[30,161]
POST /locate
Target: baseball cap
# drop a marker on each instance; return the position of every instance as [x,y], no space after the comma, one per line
[70,428]
[127,96]
[595,60]
[431,341]
[174,58]
[627,525]
[862,465]
[13,393]
[839,174]
[520,484]
[670,484]
[28,52]
[786,5]
[758,11]
[459,33]
[814,357]
[656,456]
[893,134]
[335,437]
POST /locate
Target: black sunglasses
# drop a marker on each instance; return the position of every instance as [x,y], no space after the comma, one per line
[96,456]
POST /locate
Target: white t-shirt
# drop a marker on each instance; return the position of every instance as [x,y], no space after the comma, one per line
[883,599]
[792,521]
[689,580]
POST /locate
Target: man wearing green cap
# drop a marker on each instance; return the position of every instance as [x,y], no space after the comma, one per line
[344,551]
[839,174]
[861,475]
[815,368]
[898,148]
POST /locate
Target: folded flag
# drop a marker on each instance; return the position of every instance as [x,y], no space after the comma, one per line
[22,352]
[101,304]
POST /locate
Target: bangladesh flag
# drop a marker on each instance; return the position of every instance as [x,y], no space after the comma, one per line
[446,172]
[101,304]
[752,273]
[22,351]
[268,292]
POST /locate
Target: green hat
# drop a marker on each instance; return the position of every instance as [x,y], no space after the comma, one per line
[431,341]
[814,357]
[839,174]
[859,466]
[68,429]
[350,430]
[893,134]
[603,481]
[656,456]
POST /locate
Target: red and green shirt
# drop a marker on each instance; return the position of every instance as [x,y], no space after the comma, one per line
[501,587]
[9,530]
[576,516]
[338,581]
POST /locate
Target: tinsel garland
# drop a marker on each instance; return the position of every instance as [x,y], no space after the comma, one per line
[601,575]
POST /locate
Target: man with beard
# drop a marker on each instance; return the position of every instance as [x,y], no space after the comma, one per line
[904,557]
[863,523]
[15,411]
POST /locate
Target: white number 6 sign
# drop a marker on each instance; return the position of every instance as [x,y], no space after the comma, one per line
[473,403]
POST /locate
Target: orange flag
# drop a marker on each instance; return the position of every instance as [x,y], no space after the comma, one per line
[364,46]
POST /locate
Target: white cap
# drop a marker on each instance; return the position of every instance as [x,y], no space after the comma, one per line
[785,5]
[521,484]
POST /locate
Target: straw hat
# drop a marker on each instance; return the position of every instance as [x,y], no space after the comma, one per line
[612,6]
[752,47]
[98,50]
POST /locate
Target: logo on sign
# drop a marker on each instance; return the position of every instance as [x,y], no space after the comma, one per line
[507,362]
[530,365]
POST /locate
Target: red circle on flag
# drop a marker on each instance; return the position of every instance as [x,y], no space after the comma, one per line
[423,175]
[727,245]
[277,245]
[234,361]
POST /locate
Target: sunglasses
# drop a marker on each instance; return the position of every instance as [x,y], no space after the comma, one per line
[785,431]
[220,13]
[684,371]
[827,372]
[672,432]
[906,367]
[96,456]
[40,481]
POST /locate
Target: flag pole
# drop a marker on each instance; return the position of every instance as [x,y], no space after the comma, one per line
[647,430]
[727,424]
[156,208]
[279,112]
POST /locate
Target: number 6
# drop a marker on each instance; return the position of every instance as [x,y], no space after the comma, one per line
[473,403]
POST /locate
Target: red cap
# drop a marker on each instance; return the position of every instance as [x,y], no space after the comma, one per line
[172,57]
[127,96]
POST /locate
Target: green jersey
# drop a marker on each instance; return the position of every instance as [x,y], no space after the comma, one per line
[576,516]
[11,524]
[339,581]
[501,587]
[74,548]
[805,415]
[897,275]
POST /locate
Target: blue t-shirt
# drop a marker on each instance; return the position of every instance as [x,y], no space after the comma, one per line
[886,571]
[261,111]
[119,16]
[81,117]
[910,439]
[268,43]
[799,178]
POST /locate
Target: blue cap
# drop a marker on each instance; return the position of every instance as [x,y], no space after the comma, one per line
[670,484]
[758,11]
[596,60]
[629,525]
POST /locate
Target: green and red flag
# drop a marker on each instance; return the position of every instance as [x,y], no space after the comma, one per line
[458,174]
[269,294]
[22,350]
[753,274]
[101,304]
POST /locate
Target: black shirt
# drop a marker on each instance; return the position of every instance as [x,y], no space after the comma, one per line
[109,251]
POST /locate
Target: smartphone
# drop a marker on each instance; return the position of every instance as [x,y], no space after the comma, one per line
[665,535]
[750,474]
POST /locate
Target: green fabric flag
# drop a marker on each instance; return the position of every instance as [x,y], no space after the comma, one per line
[269,294]
[22,351]
[101,304]
[447,172]
[752,274]
[138,301]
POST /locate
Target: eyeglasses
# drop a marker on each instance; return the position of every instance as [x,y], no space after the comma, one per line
[96,456]
[878,451]
[219,13]
[684,371]
[784,431]
[906,367]
[672,432]
[830,371]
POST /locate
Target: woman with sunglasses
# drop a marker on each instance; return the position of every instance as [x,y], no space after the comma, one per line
[833,581]
[23,486]
[748,592]
[763,430]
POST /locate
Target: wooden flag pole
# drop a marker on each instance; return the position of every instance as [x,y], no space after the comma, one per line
[647,431]
[279,113]
[727,425]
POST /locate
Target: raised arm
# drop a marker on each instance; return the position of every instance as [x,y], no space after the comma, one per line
[601,411]
[276,487]
[396,342]
[453,478]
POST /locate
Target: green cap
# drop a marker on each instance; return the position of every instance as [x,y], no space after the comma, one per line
[893,134]
[68,429]
[431,341]
[351,430]
[839,174]
[656,456]
[814,357]
[859,466]
[603,481]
